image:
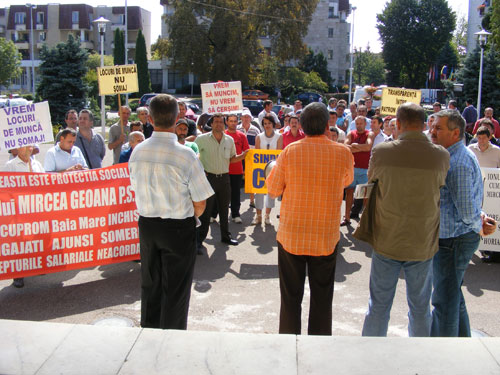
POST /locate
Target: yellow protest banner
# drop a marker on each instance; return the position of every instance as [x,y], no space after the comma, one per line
[255,163]
[393,97]
[118,79]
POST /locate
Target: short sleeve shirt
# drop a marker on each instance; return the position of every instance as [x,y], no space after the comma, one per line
[241,144]
[214,155]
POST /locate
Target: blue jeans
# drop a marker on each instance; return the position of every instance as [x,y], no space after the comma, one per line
[449,317]
[383,280]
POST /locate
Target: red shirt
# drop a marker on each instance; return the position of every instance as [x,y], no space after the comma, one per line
[241,144]
[289,138]
[361,159]
[495,124]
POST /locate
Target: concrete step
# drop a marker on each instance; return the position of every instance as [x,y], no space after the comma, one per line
[55,348]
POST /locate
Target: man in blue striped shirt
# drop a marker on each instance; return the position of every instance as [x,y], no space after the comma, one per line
[460,224]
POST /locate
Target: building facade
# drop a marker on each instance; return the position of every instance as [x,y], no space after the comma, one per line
[52,24]
[477,10]
[328,32]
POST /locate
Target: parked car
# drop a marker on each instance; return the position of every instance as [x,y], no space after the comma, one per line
[254,95]
[255,106]
[16,102]
[145,97]
[309,97]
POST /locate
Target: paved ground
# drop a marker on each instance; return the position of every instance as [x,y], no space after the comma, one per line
[235,289]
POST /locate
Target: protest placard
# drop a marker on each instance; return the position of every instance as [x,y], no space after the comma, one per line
[25,125]
[255,164]
[118,79]
[491,206]
[51,222]
[221,97]
[393,97]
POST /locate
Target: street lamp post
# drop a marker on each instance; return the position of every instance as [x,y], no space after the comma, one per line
[351,68]
[483,37]
[101,24]
[126,43]
[32,40]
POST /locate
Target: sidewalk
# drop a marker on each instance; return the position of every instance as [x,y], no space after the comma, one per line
[50,348]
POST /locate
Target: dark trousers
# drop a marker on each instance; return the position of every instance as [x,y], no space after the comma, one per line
[321,275]
[235,194]
[222,189]
[168,254]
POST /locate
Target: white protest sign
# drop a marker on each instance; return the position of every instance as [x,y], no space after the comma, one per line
[221,97]
[25,125]
[491,206]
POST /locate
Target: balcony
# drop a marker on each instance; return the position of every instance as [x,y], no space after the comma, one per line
[75,26]
[39,26]
[22,44]
[117,26]
[21,27]
[2,29]
[87,45]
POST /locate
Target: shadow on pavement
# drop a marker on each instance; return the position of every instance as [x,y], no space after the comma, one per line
[481,276]
[45,298]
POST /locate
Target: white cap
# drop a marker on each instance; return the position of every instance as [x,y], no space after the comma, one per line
[246,112]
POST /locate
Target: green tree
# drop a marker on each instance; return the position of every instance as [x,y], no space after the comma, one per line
[491,84]
[141,59]
[219,39]
[62,73]
[368,67]
[159,50]
[293,81]
[447,56]
[459,40]
[10,61]
[266,74]
[93,62]
[468,75]
[119,48]
[495,22]
[412,34]
[312,62]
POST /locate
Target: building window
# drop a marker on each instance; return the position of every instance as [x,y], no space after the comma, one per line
[75,16]
[330,54]
[20,18]
[121,19]
[43,36]
[40,16]
[330,32]
[331,12]
[177,80]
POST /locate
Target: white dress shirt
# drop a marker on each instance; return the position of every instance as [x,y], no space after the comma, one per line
[17,165]
[58,160]
[167,178]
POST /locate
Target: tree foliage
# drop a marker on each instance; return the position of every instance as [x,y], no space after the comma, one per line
[459,40]
[469,76]
[312,62]
[495,22]
[219,39]
[412,33]
[62,73]
[119,48]
[10,61]
[448,56]
[141,59]
[368,67]
[160,48]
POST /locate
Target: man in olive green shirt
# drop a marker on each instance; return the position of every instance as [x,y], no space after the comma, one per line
[409,173]
[217,150]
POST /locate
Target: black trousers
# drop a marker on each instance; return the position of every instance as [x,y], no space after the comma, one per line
[222,188]
[321,275]
[235,194]
[168,253]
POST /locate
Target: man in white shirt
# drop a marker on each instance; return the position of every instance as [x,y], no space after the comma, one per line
[487,154]
[65,156]
[23,162]
[379,135]
[268,106]
[361,111]
[170,192]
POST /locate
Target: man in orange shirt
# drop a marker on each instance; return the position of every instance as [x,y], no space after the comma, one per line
[311,174]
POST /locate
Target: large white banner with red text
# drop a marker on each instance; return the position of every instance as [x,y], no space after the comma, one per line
[51,222]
